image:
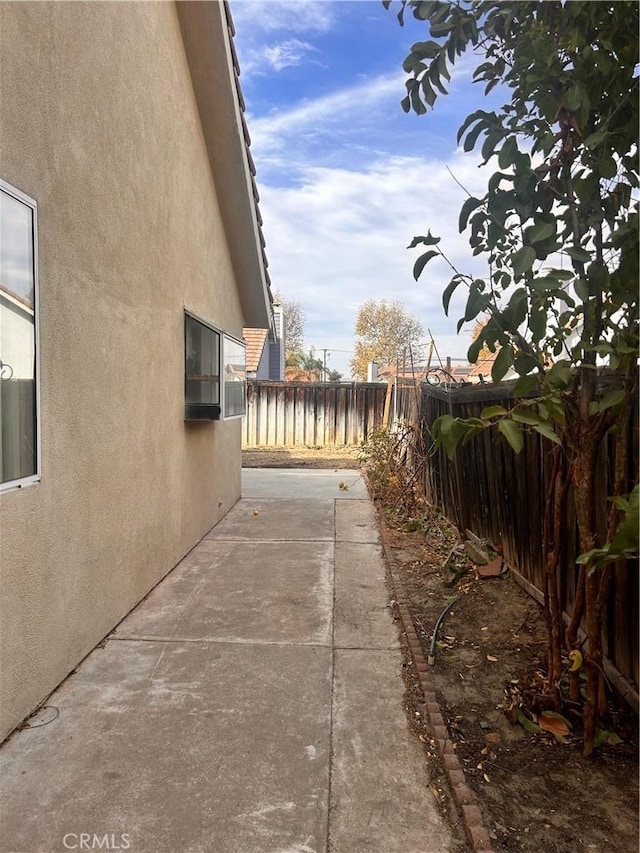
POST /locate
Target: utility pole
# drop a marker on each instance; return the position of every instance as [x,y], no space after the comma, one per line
[325,353]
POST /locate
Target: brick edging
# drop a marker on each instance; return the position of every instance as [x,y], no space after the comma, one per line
[464,798]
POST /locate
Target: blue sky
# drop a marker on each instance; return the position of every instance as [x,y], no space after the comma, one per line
[346,178]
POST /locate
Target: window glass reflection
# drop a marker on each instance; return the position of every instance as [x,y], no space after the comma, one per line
[18,456]
[235,378]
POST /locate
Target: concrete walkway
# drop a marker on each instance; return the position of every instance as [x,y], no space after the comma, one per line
[251,704]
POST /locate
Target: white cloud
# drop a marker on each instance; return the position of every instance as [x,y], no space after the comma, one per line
[349,126]
[292,16]
[340,237]
[287,53]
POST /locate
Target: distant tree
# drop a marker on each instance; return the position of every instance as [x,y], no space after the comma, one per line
[384,329]
[335,376]
[308,364]
[293,317]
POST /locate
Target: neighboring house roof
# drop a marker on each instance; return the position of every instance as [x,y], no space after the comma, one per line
[483,366]
[11,296]
[460,371]
[390,372]
[255,340]
[207,33]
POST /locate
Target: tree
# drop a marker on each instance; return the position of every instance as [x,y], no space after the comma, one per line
[311,364]
[559,228]
[335,376]
[293,318]
[385,332]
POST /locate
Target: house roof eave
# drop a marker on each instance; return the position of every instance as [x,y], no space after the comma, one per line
[206,33]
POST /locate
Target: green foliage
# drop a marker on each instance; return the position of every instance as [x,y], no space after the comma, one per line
[625,542]
[565,145]
[558,226]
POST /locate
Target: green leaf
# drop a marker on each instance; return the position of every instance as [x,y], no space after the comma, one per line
[548,432]
[527,724]
[472,137]
[421,263]
[525,386]
[610,399]
[591,556]
[538,322]
[474,350]
[448,293]
[425,49]
[582,289]
[575,97]
[508,152]
[525,417]
[603,736]
[577,253]
[541,231]
[429,240]
[492,412]
[477,301]
[503,362]
[560,374]
[466,210]
[626,538]
[513,433]
[522,261]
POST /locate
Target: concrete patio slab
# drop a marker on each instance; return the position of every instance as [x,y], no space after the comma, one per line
[180,748]
[274,518]
[356,522]
[361,614]
[254,592]
[302,483]
[252,703]
[380,799]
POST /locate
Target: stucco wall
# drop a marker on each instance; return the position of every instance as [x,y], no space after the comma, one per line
[100,126]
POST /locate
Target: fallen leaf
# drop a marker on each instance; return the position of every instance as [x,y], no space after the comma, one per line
[486,778]
[527,724]
[575,656]
[492,658]
[555,723]
[603,736]
[486,628]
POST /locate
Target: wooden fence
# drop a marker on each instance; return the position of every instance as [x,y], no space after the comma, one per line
[500,496]
[320,414]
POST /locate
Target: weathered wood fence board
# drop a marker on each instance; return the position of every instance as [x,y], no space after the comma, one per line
[501,495]
[319,414]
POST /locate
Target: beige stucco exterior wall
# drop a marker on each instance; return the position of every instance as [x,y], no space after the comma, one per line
[99,125]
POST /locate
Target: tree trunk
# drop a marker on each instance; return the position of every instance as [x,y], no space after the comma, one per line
[584,470]
[551,547]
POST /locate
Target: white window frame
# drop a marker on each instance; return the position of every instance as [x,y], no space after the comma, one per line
[221,389]
[20,483]
[227,336]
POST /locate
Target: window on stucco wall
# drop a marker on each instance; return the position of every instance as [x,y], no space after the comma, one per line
[215,372]
[19,438]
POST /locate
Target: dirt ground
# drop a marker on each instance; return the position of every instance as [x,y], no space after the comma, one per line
[300,457]
[537,794]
